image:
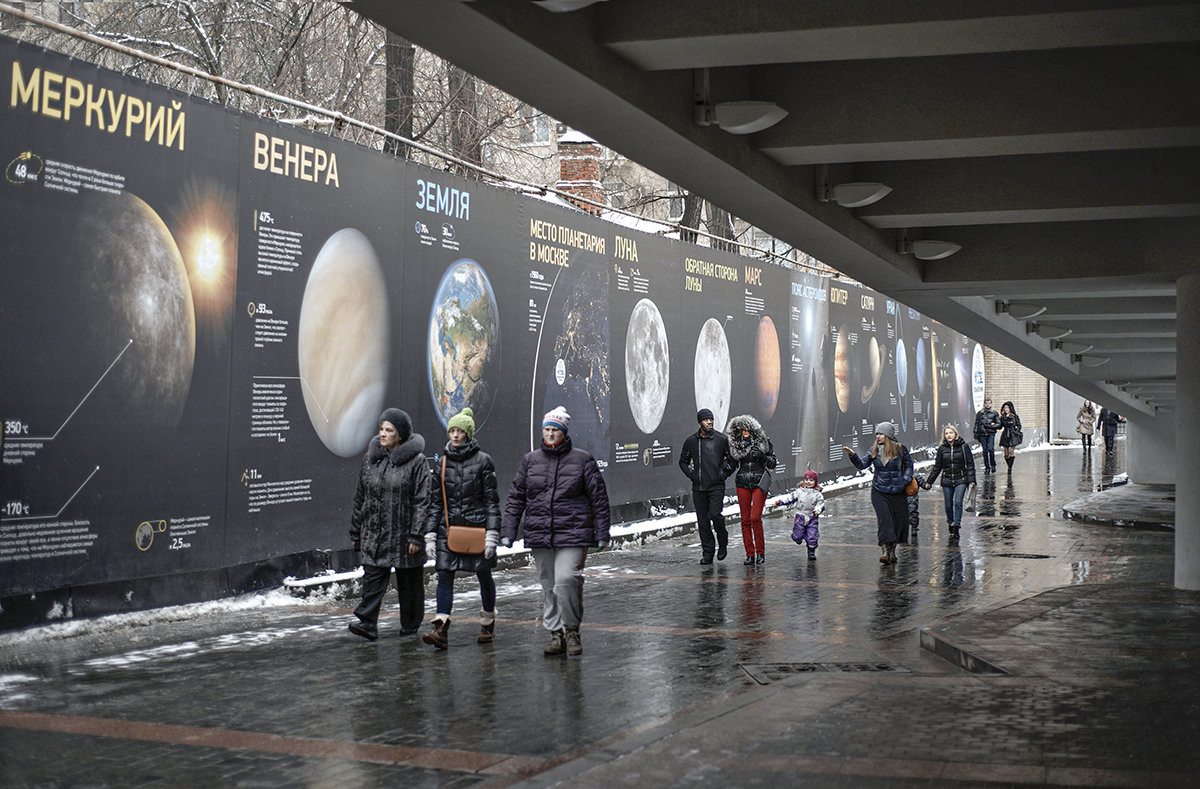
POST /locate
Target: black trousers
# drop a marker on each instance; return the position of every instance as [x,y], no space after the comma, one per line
[709,504]
[410,584]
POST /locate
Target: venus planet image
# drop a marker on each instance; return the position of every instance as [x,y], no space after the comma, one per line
[713,372]
[767,362]
[841,369]
[875,353]
[343,342]
[647,366]
[137,308]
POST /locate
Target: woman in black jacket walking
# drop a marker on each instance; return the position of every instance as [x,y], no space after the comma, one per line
[388,521]
[465,494]
[1011,437]
[956,465]
[750,447]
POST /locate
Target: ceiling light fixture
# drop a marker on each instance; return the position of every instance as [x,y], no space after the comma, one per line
[927,249]
[1070,347]
[854,194]
[735,117]
[1089,361]
[563,6]
[1020,310]
[1046,332]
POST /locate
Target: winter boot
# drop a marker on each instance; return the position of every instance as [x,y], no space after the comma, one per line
[365,629]
[891,552]
[557,645]
[438,635]
[883,557]
[574,645]
[761,559]
[487,627]
[750,559]
[1009,461]
[812,553]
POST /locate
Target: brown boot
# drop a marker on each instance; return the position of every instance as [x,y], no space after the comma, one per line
[487,627]
[891,552]
[574,645]
[883,557]
[557,644]
[439,634]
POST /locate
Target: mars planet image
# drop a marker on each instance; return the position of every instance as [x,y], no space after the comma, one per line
[137,307]
[342,341]
[647,366]
[767,363]
[874,361]
[841,369]
[713,372]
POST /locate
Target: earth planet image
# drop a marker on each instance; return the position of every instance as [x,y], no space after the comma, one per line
[647,366]
[342,342]
[767,363]
[841,369]
[875,353]
[464,343]
[136,303]
[713,372]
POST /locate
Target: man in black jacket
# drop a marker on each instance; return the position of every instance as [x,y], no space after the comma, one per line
[706,461]
[987,423]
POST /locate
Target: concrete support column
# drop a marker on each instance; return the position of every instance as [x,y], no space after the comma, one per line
[1150,448]
[1187,428]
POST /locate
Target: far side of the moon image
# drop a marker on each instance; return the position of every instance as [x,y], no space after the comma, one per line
[647,366]
[713,373]
[342,342]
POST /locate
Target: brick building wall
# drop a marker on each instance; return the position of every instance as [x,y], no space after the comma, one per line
[1004,379]
[579,172]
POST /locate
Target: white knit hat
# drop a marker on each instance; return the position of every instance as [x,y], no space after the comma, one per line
[557,418]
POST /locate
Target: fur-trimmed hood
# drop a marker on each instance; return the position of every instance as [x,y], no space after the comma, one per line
[404,452]
[741,448]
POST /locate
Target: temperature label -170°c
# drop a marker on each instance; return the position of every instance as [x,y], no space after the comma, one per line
[15,508]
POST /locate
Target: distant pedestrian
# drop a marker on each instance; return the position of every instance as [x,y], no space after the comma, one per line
[755,456]
[1109,420]
[893,471]
[704,459]
[390,508]
[1011,437]
[464,497]
[987,423]
[559,499]
[1086,419]
[955,463]
[809,506]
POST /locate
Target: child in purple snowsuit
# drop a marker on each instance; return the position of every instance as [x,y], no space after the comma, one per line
[809,505]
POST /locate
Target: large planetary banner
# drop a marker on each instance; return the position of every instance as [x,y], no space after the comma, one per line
[206,313]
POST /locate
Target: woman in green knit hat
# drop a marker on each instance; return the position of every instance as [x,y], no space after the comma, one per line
[464,494]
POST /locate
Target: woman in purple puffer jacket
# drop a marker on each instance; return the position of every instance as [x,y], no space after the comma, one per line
[560,500]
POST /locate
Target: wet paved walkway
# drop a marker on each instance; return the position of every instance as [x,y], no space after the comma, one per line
[796,673]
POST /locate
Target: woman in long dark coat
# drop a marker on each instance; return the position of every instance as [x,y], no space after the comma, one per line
[387,523]
[1011,437]
[893,470]
[464,494]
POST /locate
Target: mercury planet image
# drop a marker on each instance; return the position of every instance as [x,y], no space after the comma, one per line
[713,372]
[767,362]
[138,308]
[342,342]
[647,366]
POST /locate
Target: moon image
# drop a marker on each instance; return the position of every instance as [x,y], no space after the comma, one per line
[767,363]
[647,366]
[841,369]
[714,374]
[136,304]
[875,353]
[342,340]
[922,359]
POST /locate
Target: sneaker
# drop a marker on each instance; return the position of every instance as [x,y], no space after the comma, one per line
[761,559]
[367,631]
[438,635]
[557,644]
[574,645]
[812,553]
[749,560]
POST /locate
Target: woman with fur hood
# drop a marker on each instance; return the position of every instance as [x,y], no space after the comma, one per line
[755,456]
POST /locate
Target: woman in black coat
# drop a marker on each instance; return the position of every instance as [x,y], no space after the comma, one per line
[750,447]
[464,494]
[1011,437]
[388,521]
[892,471]
[956,465]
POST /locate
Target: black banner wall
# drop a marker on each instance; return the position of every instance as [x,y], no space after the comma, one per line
[205,313]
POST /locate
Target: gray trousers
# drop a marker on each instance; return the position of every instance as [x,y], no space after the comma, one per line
[561,572]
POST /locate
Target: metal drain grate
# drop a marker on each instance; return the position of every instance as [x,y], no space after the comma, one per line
[766,673]
[1024,556]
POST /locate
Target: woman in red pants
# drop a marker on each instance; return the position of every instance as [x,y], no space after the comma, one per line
[752,450]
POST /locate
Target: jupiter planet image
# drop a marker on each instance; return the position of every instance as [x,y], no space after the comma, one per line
[713,372]
[841,369]
[647,366]
[136,304]
[767,362]
[343,342]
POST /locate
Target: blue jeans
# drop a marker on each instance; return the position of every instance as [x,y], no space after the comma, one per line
[953,498]
[988,443]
